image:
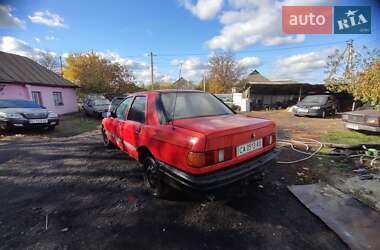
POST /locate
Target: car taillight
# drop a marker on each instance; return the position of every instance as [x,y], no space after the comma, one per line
[269,139]
[203,159]
[199,160]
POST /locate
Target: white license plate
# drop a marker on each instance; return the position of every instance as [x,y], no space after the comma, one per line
[34,121]
[303,110]
[352,126]
[249,147]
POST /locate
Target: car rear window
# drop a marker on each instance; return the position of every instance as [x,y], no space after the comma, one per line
[101,102]
[192,104]
[18,104]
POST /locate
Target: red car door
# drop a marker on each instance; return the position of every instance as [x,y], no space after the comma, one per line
[120,116]
[132,128]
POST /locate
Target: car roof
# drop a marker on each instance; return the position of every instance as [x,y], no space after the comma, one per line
[168,91]
[16,100]
[365,112]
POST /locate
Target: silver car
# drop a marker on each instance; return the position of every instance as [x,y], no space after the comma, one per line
[95,105]
[25,114]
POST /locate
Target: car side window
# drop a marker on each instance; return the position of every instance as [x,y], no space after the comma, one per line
[122,108]
[137,111]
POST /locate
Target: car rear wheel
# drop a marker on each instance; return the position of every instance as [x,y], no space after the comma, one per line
[152,178]
[106,141]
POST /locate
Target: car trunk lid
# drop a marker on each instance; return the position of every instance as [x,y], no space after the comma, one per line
[228,130]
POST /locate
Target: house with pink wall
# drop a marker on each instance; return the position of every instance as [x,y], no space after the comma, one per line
[22,78]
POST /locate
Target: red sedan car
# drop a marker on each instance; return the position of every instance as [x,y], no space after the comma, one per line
[189,139]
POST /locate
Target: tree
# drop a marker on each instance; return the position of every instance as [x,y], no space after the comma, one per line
[48,60]
[167,85]
[339,76]
[223,73]
[366,87]
[96,74]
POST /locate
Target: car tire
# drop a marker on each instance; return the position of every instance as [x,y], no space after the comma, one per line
[152,178]
[106,141]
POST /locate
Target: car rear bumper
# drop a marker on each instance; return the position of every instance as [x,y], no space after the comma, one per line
[218,179]
[19,124]
[357,126]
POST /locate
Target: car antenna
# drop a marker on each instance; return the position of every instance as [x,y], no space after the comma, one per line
[176,93]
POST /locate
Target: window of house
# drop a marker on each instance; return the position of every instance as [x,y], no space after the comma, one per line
[57,96]
[36,96]
[137,110]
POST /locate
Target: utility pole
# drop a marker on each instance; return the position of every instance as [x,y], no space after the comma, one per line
[151,69]
[349,67]
[204,83]
[180,71]
[60,62]
[350,51]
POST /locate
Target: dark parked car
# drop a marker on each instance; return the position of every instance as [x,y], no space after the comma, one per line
[25,114]
[365,120]
[316,105]
[95,105]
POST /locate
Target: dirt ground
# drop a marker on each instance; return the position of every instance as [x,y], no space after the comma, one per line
[71,193]
[292,126]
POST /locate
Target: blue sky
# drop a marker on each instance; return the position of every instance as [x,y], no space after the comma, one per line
[178,31]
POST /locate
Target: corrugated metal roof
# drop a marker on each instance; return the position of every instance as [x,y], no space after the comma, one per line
[20,69]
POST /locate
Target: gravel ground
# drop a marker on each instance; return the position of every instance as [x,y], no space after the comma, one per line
[71,193]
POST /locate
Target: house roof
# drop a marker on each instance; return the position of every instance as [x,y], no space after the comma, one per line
[22,70]
[181,83]
[255,76]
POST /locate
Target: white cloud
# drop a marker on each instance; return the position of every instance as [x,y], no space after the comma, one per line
[48,18]
[140,70]
[247,22]
[37,39]
[249,62]
[7,19]
[50,38]
[130,63]
[203,9]
[12,45]
[193,68]
[307,67]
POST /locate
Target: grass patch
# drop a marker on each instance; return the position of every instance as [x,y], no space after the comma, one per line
[74,124]
[349,137]
[326,150]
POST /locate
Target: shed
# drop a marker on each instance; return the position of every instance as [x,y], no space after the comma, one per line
[264,93]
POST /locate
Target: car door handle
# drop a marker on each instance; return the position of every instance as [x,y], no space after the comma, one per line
[137,130]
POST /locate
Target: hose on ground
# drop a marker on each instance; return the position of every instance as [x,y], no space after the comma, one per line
[309,155]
